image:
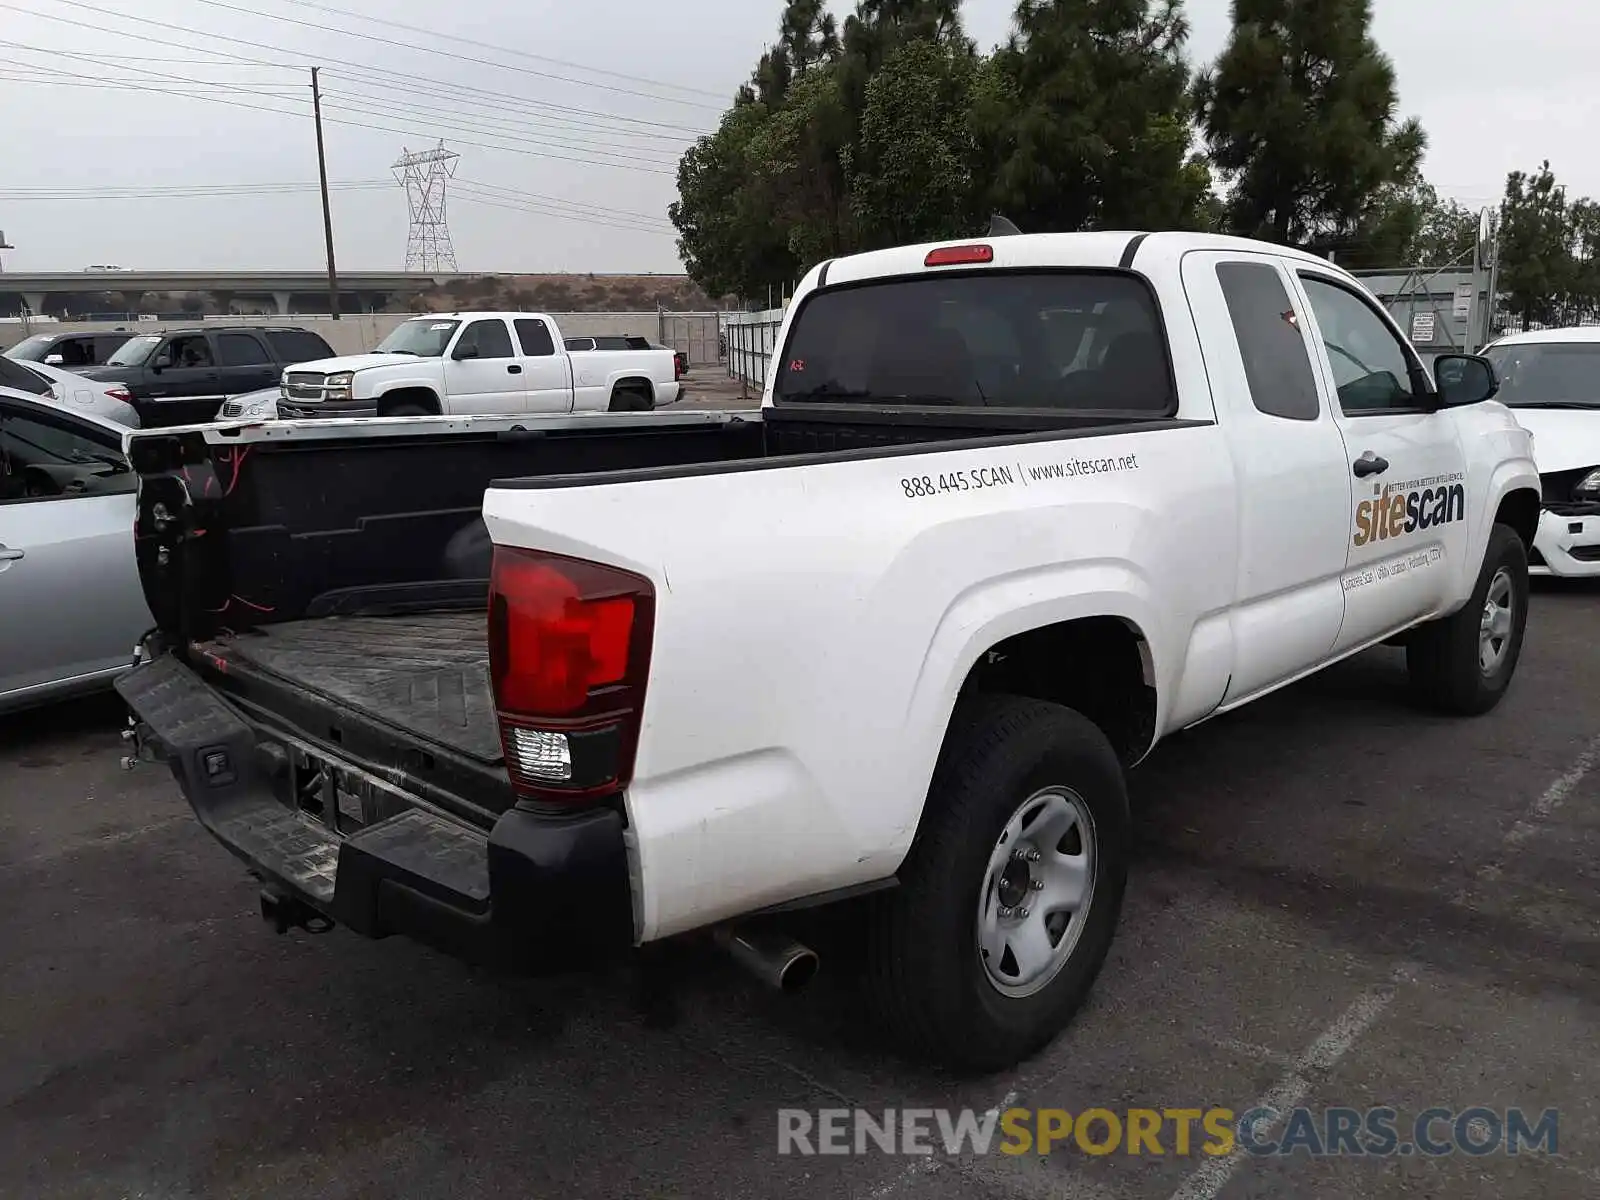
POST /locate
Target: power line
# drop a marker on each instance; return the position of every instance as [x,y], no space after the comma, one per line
[471,198]
[185,192]
[407,83]
[392,112]
[463,110]
[450,37]
[494,194]
[518,194]
[368,37]
[502,145]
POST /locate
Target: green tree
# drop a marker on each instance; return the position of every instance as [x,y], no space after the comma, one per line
[1537,268]
[911,172]
[796,164]
[1086,118]
[1299,114]
[729,243]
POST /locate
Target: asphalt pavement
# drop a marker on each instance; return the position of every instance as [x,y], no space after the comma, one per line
[1337,901]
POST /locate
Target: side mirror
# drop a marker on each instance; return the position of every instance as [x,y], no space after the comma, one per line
[53,360]
[462,353]
[1464,379]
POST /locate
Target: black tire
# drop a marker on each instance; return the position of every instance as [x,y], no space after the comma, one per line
[925,979]
[408,410]
[631,399]
[1442,656]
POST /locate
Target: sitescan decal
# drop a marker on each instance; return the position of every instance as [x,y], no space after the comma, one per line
[1401,508]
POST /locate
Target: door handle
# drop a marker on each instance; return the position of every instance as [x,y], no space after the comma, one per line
[1369,464]
[8,555]
[514,369]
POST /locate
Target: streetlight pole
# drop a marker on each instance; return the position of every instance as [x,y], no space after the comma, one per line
[327,212]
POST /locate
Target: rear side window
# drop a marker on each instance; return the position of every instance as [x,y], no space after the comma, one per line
[535,338]
[241,350]
[1276,364]
[1088,341]
[297,346]
[15,375]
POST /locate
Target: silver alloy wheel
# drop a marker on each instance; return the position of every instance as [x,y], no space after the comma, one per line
[1494,627]
[1037,891]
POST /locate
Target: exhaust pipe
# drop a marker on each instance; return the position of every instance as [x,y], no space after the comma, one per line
[778,961]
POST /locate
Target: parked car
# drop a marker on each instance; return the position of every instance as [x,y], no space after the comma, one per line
[251,406]
[1012,512]
[477,363]
[71,606]
[1550,379]
[69,350]
[181,376]
[71,390]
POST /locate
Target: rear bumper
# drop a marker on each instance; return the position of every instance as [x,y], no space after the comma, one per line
[532,888]
[1566,546]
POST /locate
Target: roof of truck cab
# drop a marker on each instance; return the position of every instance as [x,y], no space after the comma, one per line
[1105,249]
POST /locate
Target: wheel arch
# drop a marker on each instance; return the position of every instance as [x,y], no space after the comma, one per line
[409,394]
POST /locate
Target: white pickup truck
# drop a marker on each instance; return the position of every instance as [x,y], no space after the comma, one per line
[477,363]
[1011,512]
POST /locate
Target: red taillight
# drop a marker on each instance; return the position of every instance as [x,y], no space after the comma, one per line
[677,367]
[122,394]
[951,256]
[569,650]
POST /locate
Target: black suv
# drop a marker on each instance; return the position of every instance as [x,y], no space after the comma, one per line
[69,351]
[180,376]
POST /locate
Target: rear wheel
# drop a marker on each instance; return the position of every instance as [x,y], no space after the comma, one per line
[631,399]
[1463,664]
[1010,895]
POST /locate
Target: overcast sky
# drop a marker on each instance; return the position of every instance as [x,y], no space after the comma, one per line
[132,127]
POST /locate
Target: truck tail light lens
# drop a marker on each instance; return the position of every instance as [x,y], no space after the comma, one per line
[569,652]
[953,256]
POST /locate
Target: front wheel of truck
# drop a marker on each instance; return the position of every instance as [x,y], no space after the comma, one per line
[1463,664]
[1009,897]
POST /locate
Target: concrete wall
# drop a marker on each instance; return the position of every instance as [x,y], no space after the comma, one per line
[694,333]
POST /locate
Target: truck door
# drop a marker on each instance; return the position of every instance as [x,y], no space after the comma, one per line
[1293,479]
[1407,526]
[482,372]
[548,374]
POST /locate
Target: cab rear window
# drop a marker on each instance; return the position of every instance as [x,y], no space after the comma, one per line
[1089,341]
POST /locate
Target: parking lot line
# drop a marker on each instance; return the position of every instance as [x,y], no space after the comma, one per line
[1292,1089]
[1538,813]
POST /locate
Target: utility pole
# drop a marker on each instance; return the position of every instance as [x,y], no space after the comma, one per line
[327,212]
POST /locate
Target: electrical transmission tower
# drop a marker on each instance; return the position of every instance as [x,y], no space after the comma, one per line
[424,176]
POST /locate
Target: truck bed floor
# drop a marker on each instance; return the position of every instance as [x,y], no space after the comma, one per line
[427,674]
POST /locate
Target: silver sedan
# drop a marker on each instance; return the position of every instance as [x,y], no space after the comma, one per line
[109,400]
[71,607]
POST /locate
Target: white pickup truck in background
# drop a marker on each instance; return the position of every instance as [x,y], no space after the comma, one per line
[1012,512]
[477,363]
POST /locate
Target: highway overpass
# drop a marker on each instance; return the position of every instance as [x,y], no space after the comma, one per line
[358,290]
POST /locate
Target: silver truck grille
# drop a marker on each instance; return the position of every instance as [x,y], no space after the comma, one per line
[300,385]
[232,408]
